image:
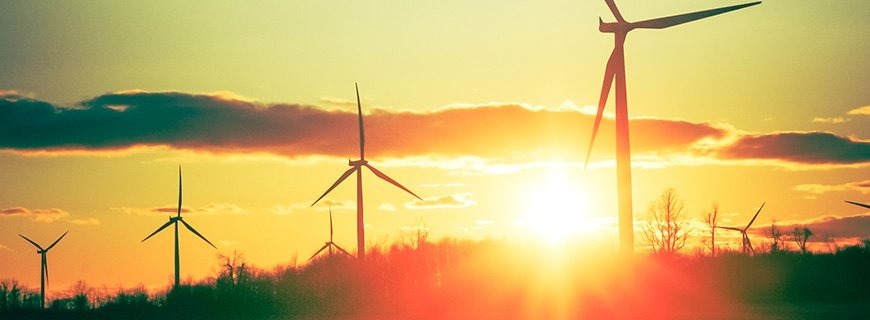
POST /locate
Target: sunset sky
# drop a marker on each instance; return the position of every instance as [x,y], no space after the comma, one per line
[483,109]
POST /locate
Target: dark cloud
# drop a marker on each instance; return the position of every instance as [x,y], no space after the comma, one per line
[857,226]
[220,123]
[224,123]
[799,147]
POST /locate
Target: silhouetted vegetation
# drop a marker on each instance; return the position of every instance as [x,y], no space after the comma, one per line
[488,279]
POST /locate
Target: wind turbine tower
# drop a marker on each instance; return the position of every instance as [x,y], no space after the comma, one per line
[356,166]
[43,269]
[175,220]
[615,72]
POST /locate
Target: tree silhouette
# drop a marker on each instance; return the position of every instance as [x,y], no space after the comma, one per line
[667,230]
[712,221]
[800,235]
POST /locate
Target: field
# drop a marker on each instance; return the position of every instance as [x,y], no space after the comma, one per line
[496,280]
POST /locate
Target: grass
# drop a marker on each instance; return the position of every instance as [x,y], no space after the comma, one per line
[494,280]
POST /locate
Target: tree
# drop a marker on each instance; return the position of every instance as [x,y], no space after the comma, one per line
[800,235]
[666,230]
[712,221]
[777,244]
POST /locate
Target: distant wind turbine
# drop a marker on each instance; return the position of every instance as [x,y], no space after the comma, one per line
[175,220]
[43,271]
[747,245]
[356,166]
[329,244]
[615,71]
[858,204]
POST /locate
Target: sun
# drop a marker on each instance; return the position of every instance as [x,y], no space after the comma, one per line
[556,209]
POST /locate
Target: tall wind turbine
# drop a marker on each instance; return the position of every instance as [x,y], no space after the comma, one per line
[330,245]
[615,71]
[356,166]
[858,204]
[747,245]
[175,220]
[43,270]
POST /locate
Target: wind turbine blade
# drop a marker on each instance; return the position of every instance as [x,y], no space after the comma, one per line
[362,135]
[390,180]
[197,233]
[753,218]
[609,73]
[858,204]
[614,10]
[319,251]
[31,242]
[158,230]
[661,23]
[342,250]
[730,228]
[179,192]
[337,182]
[56,241]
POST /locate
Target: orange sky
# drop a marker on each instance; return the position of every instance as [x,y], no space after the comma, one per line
[484,117]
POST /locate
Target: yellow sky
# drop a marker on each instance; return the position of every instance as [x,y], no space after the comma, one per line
[505,84]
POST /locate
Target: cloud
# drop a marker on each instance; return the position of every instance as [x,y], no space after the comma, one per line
[224,123]
[446,201]
[387,207]
[799,147]
[208,209]
[38,215]
[338,101]
[862,111]
[323,205]
[856,226]
[860,186]
[830,120]
[85,222]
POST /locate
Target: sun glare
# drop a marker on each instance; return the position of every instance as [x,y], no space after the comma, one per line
[556,210]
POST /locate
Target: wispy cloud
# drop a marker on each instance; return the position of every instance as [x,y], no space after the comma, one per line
[830,120]
[862,111]
[446,201]
[323,205]
[860,186]
[85,222]
[338,101]
[209,209]
[38,215]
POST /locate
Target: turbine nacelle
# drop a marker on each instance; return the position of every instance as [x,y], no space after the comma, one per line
[358,163]
[614,27]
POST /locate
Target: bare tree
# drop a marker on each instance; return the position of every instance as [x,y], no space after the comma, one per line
[777,244]
[666,230]
[712,220]
[800,237]
[830,243]
[235,269]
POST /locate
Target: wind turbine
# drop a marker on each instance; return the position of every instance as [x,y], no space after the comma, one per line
[356,166]
[746,243]
[615,71]
[175,220]
[43,271]
[858,204]
[331,245]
